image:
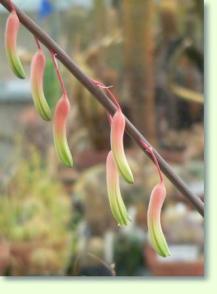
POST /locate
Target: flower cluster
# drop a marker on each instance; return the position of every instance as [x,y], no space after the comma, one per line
[116,163]
[37,75]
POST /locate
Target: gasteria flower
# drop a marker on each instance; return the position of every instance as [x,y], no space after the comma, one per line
[156,235]
[117,134]
[115,200]
[12,28]
[59,131]
[37,74]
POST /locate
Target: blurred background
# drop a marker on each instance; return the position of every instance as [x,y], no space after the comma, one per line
[55,220]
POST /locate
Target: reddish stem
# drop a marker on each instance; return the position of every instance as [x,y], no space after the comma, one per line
[38,43]
[12,6]
[109,92]
[111,95]
[53,56]
[109,118]
[149,149]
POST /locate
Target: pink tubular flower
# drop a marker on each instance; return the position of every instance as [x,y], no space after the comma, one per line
[156,235]
[37,74]
[115,200]
[12,28]
[117,133]
[59,131]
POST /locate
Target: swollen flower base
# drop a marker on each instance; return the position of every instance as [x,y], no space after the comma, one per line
[117,134]
[37,74]
[156,235]
[59,131]
[11,31]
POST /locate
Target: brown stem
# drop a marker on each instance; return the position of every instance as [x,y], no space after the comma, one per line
[106,102]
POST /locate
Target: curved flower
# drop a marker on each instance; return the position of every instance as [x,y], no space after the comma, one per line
[115,200]
[11,31]
[59,131]
[117,133]
[37,74]
[156,235]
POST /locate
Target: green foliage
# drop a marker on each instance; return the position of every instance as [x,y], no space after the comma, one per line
[128,255]
[51,84]
[35,205]
[36,211]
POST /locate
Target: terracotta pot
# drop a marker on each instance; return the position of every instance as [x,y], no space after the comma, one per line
[20,256]
[178,268]
[22,263]
[4,256]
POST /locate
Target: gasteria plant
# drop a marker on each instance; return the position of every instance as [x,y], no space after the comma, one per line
[116,160]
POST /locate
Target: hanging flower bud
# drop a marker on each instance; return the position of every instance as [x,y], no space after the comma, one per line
[156,235]
[117,134]
[115,200]
[12,28]
[37,75]
[59,131]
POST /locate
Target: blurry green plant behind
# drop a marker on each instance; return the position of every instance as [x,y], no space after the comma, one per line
[34,219]
[51,85]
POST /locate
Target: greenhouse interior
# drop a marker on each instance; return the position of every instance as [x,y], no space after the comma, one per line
[81,193]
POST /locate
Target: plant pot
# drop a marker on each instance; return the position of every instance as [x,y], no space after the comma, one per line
[175,268]
[4,257]
[23,264]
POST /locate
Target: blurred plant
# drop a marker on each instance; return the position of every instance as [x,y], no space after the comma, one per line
[51,85]
[138,30]
[128,255]
[92,114]
[35,220]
